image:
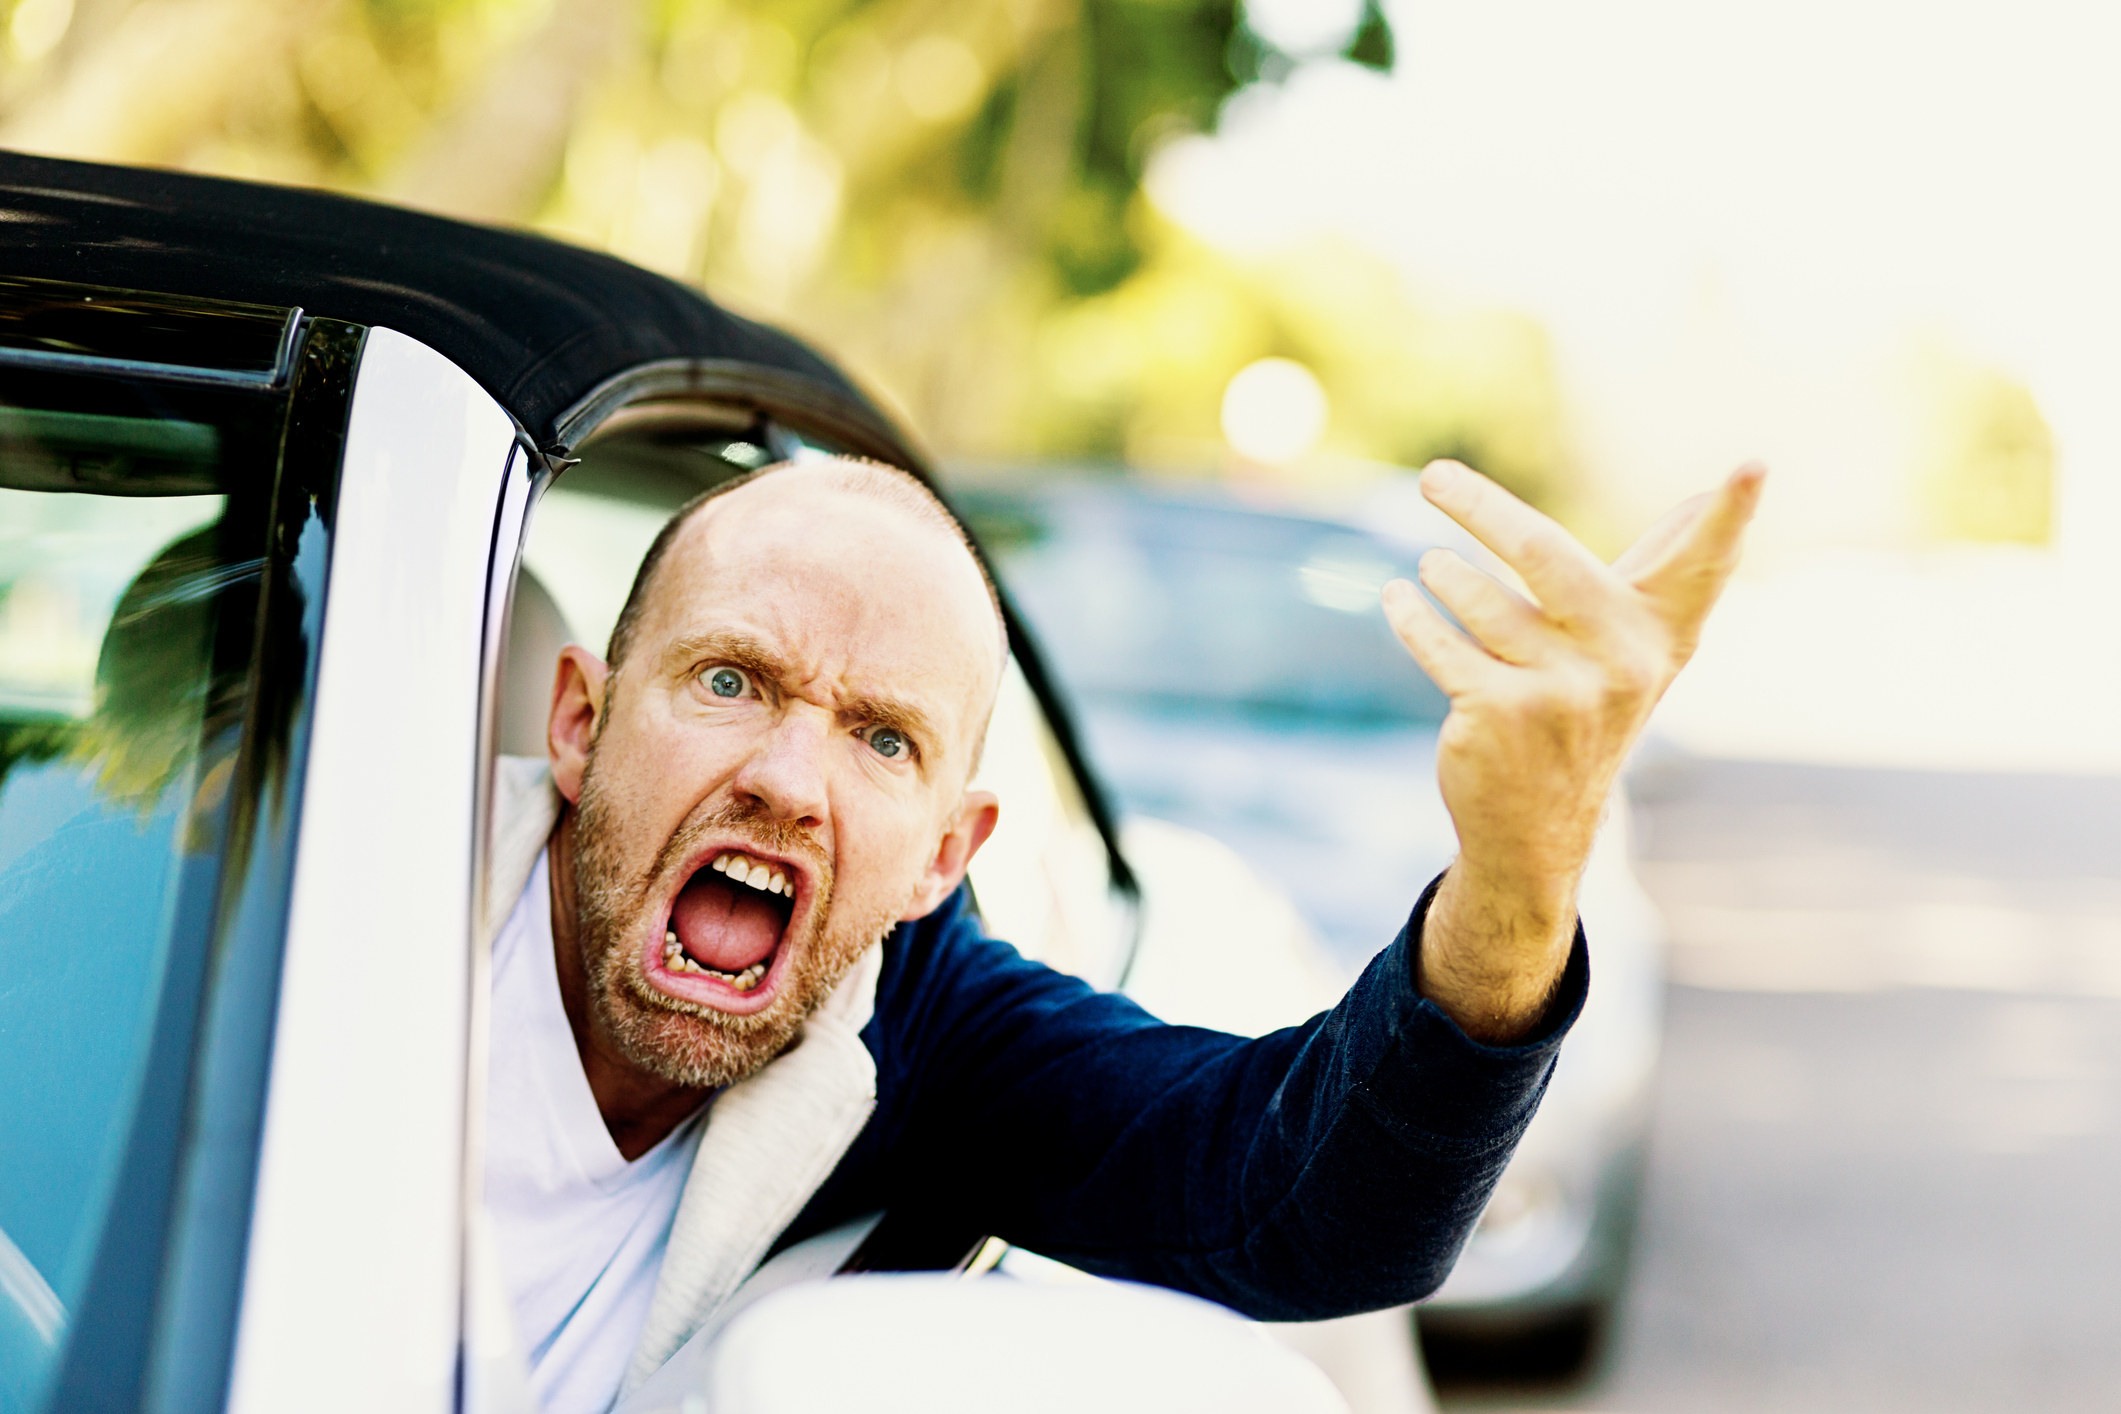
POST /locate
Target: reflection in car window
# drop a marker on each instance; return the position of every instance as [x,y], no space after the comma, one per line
[119,715]
[1148,600]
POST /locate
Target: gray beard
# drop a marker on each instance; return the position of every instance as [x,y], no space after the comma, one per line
[684,1042]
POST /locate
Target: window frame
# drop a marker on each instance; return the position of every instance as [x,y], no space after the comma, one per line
[788,416]
[807,412]
[155,1320]
[352,1292]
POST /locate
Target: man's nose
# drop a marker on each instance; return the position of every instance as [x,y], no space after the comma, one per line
[785,773]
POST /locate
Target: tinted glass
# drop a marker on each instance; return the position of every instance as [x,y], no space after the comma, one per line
[125,632]
[1164,602]
[193,335]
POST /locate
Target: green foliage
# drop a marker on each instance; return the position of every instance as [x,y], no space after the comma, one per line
[1990,472]
[31,742]
[1138,374]
[1372,46]
[948,198]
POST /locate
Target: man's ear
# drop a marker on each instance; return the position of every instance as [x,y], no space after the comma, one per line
[975,821]
[577,707]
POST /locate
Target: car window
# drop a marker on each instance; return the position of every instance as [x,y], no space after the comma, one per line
[1043,881]
[126,613]
[1150,600]
[590,530]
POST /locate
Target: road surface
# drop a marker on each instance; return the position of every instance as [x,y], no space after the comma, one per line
[1886,1171]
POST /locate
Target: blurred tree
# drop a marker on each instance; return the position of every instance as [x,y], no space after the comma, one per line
[948,196]
[1987,471]
[1138,374]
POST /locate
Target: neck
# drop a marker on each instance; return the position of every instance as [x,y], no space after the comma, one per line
[639,1109]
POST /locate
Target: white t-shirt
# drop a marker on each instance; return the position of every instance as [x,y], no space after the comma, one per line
[581,1231]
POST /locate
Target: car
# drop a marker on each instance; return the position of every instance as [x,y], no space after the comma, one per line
[1234,676]
[298,497]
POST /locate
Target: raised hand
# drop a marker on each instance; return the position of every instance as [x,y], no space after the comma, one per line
[1547,697]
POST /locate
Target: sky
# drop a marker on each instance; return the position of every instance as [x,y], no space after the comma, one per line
[1740,223]
[1743,226]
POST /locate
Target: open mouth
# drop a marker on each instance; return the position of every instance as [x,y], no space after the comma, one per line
[726,925]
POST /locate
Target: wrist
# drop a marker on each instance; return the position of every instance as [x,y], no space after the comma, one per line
[1522,899]
[1493,948]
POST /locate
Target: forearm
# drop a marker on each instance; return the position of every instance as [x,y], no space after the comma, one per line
[1551,681]
[1313,1173]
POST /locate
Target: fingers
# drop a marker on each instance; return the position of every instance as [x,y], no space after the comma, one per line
[1693,554]
[1452,661]
[1499,619]
[1566,578]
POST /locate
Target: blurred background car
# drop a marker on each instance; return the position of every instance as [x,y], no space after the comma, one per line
[1235,678]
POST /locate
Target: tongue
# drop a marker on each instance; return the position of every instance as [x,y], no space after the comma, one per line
[724,926]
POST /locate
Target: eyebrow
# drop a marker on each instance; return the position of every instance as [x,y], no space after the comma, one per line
[740,650]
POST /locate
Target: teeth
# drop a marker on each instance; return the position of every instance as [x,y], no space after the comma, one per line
[756,873]
[676,959]
[742,869]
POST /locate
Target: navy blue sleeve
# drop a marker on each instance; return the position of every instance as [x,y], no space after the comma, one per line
[1321,1170]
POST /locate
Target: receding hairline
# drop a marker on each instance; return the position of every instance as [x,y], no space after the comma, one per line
[877,482]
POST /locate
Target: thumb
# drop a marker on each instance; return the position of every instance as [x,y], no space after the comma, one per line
[1684,560]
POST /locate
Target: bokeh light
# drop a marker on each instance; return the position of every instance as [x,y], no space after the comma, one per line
[1304,27]
[1273,411]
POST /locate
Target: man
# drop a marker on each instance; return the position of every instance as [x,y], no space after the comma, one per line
[741,997]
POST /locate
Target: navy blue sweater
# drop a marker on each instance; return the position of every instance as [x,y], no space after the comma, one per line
[1324,1169]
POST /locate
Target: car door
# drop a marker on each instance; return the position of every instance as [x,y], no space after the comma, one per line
[244,557]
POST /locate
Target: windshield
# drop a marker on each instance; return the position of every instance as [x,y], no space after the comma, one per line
[133,531]
[1181,604]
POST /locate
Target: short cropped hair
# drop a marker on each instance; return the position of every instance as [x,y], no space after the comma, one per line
[873,480]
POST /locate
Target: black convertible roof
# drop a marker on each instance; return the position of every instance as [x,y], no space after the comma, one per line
[540,324]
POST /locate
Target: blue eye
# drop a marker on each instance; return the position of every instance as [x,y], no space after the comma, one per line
[886,742]
[726,682]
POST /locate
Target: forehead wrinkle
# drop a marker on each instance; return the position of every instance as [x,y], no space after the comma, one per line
[743,650]
[799,501]
[769,525]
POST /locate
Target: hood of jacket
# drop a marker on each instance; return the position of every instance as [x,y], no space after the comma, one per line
[771,1140]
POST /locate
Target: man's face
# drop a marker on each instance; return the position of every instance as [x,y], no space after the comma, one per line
[776,767]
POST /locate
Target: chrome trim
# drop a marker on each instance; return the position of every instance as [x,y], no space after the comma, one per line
[164,372]
[490,1363]
[352,1298]
[805,403]
[290,340]
[277,377]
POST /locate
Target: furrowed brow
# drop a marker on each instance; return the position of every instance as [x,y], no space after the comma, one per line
[902,717]
[743,651]
[736,649]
